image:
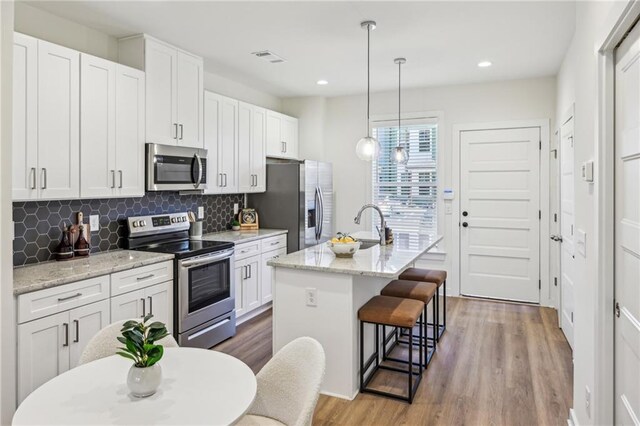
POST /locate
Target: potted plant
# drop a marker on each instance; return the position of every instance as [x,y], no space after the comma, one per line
[139,340]
[235,225]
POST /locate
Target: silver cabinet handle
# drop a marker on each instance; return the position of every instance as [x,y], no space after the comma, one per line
[175,129]
[73,296]
[220,179]
[44,178]
[181,131]
[145,277]
[275,243]
[33,176]
[77,323]
[282,147]
[113,178]
[144,307]
[150,305]
[66,334]
[250,272]
[120,172]
[225,180]
[285,147]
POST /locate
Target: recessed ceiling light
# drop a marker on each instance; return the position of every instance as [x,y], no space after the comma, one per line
[322,82]
[484,64]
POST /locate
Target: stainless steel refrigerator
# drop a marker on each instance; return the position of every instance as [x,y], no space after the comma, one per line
[299,198]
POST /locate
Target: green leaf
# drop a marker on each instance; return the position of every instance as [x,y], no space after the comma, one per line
[155,354]
[147,317]
[129,324]
[121,340]
[127,355]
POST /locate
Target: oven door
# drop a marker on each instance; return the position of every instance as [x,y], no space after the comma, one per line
[171,168]
[205,288]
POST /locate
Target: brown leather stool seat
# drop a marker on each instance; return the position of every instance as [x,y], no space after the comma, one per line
[422,291]
[424,275]
[395,312]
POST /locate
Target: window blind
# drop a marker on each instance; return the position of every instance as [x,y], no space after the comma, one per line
[407,194]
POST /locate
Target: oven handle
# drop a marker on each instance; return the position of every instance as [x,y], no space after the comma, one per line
[207,259]
[197,184]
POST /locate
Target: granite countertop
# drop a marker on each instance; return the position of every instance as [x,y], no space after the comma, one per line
[51,274]
[239,237]
[378,261]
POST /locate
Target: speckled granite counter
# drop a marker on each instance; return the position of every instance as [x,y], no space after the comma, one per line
[51,274]
[239,237]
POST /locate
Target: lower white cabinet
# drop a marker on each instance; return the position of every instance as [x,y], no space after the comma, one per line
[266,289]
[52,345]
[136,304]
[247,282]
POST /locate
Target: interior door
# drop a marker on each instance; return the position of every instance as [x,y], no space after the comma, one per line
[567,224]
[190,92]
[499,202]
[627,231]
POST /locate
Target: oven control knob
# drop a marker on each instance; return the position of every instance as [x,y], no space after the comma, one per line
[143,223]
[183,219]
[173,220]
[134,224]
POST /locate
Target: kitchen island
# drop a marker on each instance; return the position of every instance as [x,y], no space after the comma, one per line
[318,295]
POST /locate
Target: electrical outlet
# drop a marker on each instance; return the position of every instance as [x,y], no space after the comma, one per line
[311,296]
[200,212]
[94,222]
[587,400]
[236,208]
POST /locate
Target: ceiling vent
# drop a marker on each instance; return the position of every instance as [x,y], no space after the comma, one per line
[269,56]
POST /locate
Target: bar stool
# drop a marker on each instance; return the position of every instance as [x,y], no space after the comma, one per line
[433,276]
[423,292]
[393,312]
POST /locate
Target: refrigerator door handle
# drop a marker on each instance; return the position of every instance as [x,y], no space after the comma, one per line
[317,213]
[321,212]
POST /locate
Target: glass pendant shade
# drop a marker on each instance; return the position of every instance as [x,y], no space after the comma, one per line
[368,148]
[400,155]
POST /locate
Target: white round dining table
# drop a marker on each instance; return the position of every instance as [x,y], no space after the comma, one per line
[198,387]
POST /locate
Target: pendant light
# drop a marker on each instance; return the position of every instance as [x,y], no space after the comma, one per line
[400,153]
[368,147]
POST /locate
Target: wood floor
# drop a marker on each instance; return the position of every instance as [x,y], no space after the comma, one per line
[497,364]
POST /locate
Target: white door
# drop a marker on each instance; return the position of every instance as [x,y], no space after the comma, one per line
[266,274]
[228,153]
[275,146]
[98,127]
[85,322]
[130,119]
[245,133]
[158,303]
[128,306]
[567,222]
[58,121]
[258,157]
[627,231]
[190,101]
[43,351]
[161,93]
[499,202]
[25,113]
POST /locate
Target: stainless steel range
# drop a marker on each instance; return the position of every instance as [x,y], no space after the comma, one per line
[204,291]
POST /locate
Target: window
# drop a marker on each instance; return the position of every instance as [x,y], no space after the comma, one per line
[407,194]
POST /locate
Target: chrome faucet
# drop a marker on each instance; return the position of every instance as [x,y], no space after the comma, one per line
[383,224]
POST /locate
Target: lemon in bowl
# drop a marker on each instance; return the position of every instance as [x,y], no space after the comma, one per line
[343,245]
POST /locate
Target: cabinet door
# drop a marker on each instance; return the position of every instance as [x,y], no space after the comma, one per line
[245,136]
[43,351]
[258,144]
[58,121]
[158,303]
[98,130]
[85,322]
[25,113]
[128,306]
[251,284]
[212,129]
[228,153]
[275,147]
[161,93]
[290,136]
[239,274]
[130,118]
[266,276]
[190,100]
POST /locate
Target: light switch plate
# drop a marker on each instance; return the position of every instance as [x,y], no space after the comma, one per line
[581,242]
[587,171]
[94,222]
[236,207]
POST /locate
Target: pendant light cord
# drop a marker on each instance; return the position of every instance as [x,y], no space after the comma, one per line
[368,77]
[399,104]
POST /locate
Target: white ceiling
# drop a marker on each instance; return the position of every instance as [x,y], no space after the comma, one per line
[442,41]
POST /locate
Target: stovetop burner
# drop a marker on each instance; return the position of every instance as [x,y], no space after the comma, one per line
[186,248]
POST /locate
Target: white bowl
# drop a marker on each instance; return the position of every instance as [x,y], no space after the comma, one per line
[344,249]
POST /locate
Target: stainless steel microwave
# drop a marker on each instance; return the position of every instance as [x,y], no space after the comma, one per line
[175,168]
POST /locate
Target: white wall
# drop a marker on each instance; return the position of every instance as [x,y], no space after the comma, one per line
[345,123]
[578,81]
[311,113]
[44,25]
[7,318]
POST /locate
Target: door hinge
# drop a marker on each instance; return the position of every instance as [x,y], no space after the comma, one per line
[617,309]
[555,281]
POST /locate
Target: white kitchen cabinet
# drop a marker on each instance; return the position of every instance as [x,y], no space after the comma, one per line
[247,273]
[112,131]
[174,90]
[51,345]
[221,141]
[281,136]
[150,300]
[127,306]
[266,288]
[251,147]
[238,277]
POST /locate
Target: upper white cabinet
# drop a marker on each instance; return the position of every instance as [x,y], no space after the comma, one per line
[112,132]
[282,135]
[251,141]
[221,141]
[174,90]
[46,136]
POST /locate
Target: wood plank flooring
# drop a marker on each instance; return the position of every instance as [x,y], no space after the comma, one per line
[497,364]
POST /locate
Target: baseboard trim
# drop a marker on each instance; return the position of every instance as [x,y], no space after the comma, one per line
[572,420]
[253,314]
[335,395]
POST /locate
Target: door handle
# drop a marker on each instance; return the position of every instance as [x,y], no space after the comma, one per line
[181,131]
[113,178]
[33,176]
[556,238]
[282,148]
[465,224]
[225,180]
[144,307]
[150,304]
[250,271]
[120,172]
[44,178]
[66,334]
[77,323]
[199,161]
[285,147]
[175,129]
[465,214]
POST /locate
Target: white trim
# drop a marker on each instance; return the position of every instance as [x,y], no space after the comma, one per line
[543,124]
[573,419]
[254,313]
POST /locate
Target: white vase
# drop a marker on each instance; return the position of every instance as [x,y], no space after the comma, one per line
[143,382]
[235,228]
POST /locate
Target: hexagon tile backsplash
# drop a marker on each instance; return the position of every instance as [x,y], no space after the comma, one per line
[38,224]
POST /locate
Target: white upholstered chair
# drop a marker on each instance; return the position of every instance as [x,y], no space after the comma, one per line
[288,386]
[105,344]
